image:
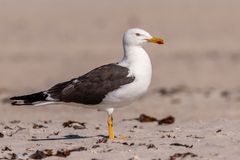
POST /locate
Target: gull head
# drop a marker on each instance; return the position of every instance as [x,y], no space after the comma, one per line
[138,37]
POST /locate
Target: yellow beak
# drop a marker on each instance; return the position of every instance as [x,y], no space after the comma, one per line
[156,40]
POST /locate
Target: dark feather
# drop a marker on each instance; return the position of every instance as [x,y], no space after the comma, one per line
[92,87]
[29,99]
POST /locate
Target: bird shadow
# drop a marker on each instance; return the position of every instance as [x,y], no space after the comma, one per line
[66,137]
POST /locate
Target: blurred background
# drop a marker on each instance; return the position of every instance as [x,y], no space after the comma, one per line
[196,71]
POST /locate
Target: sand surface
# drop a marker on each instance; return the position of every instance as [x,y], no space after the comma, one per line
[195,78]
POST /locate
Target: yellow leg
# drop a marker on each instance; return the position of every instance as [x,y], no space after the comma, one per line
[110,127]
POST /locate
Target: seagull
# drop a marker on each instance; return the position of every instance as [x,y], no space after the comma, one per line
[107,87]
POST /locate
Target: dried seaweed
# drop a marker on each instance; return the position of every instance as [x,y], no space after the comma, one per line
[74,124]
[7,127]
[149,146]
[145,118]
[6,148]
[167,120]
[194,136]
[181,145]
[60,153]
[95,146]
[218,131]
[102,140]
[13,156]
[47,121]
[1,135]
[182,155]
[125,143]
[63,153]
[39,155]
[38,126]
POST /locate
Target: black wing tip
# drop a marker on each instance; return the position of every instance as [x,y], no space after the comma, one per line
[13,98]
[19,101]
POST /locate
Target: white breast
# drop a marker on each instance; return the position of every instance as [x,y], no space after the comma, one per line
[139,64]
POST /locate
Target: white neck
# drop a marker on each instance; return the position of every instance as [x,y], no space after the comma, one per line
[138,61]
[139,65]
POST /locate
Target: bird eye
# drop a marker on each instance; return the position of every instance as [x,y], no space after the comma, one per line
[138,34]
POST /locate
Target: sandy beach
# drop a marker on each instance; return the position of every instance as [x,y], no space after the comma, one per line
[195,79]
